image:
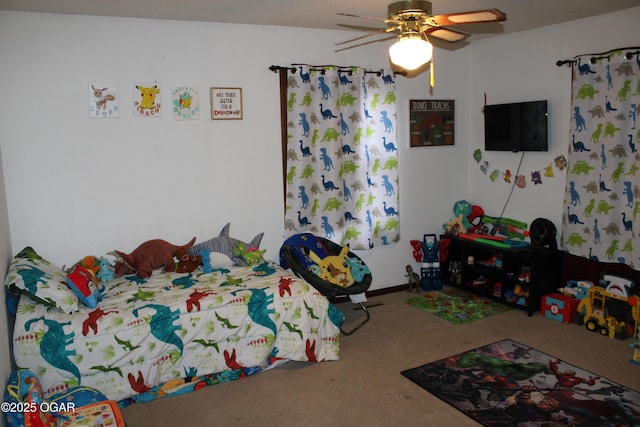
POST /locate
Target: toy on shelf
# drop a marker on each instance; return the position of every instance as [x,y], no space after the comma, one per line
[475,218]
[497,289]
[430,271]
[495,241]
[525,275]
[495,261]
[459,223]
[507,227]
[479,282]
[455,272]
[414,279]
[522,294]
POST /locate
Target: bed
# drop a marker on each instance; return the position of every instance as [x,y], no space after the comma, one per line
[167,334]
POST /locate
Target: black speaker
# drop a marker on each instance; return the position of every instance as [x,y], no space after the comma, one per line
[542,233]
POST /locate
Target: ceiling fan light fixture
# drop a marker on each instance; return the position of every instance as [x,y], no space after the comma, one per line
[411,51]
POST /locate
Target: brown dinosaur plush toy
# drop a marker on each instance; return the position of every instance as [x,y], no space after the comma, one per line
[147,257]
[186,263]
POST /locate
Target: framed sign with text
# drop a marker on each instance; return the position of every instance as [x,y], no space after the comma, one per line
[431,122]
[226,103]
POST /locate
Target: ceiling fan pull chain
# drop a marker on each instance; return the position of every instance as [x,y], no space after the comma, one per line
[431,76]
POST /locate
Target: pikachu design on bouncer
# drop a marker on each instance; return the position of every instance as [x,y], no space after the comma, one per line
[335,268]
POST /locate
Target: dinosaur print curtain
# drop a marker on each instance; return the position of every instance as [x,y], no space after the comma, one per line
[602,202]
[341,155]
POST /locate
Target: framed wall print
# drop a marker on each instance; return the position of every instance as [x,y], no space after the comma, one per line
[431,122]
[226,103]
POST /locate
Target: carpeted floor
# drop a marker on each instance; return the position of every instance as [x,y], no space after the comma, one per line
[507,383]
[456,306]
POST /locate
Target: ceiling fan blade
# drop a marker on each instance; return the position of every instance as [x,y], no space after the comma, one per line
[386,30]
[489,15]
[359,28]
[445,34]
[351,15]
[365,43]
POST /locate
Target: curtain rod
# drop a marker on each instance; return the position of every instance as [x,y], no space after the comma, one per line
[341,69]
[598,56]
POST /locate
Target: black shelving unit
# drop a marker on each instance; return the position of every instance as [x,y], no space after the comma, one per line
[517,277]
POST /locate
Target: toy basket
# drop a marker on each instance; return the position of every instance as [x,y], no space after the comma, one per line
[330,290]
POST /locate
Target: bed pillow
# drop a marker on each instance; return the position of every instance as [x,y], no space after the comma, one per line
[41,281]
[82,282]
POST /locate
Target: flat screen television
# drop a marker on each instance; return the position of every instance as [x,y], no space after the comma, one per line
[519,126]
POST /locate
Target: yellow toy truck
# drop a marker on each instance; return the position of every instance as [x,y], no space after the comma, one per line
[610,309]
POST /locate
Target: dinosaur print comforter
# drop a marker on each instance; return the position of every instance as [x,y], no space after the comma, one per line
[173,333]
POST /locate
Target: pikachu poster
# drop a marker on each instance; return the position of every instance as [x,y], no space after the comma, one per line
[103,100]
[185,103]
[147,99]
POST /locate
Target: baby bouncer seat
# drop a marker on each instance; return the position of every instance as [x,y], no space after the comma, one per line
[332,269]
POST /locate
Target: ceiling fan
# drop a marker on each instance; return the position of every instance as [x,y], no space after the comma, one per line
[413,20]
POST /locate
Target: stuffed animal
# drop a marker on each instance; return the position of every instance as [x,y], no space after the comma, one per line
[105,273]
[335,268]
[147,257]
[459,224]
[475,219]
[90,263]
[251,255]
[358,268]
[205,257]
[187,263]
[225,245]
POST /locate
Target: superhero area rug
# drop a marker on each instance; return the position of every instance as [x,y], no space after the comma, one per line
[509,384]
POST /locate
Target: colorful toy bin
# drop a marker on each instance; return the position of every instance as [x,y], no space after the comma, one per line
[559,307]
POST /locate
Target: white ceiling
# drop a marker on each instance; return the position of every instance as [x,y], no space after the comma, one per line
[521,14]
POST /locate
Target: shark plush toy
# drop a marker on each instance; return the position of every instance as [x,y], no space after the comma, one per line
[226,245]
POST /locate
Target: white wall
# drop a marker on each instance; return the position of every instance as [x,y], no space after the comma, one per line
[521,67]
[5,257]
[78,186]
